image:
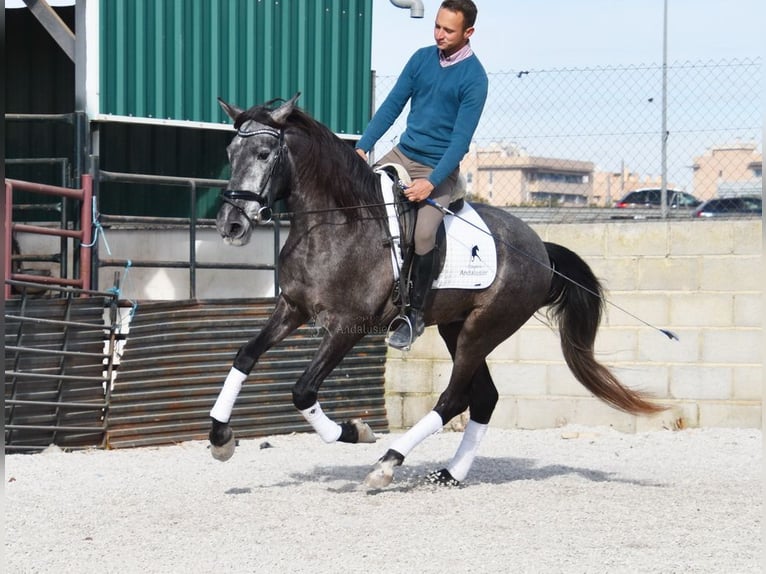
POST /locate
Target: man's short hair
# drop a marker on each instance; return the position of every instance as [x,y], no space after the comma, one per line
[465,7]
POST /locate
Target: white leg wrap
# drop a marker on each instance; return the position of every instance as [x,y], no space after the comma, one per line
[424,428]
[222,408]
[466,452]
[325,428]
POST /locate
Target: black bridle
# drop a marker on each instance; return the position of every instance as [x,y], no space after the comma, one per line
[264,198]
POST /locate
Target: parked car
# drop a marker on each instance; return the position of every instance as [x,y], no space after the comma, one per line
[730,206]
[651,197]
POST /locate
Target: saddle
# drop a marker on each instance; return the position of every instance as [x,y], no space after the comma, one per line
[406,215]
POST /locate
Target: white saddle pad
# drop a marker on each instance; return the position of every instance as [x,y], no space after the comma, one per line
[471,258]
[471,261]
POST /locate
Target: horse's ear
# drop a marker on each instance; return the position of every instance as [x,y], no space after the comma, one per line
[280,114]
[231,110]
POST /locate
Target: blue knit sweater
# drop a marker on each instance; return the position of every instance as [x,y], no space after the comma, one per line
[445,108]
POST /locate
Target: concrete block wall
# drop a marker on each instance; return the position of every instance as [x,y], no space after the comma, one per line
[700,279]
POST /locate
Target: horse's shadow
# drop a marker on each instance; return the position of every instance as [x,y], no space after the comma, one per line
[505,470]
[485,471]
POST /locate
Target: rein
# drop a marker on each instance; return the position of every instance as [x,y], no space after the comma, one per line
[284,215]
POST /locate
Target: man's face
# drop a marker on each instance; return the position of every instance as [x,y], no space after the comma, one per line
[448,31]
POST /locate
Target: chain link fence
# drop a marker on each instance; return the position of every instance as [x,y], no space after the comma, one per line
[577,142]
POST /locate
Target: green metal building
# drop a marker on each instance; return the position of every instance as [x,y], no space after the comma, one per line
[171,59]
[147,73]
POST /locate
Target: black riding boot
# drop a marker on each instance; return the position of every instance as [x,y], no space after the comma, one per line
[422,277]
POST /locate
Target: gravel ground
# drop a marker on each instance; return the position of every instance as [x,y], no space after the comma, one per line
[571,500]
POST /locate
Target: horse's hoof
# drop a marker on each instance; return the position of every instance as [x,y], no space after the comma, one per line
[225,451]
[442,478]
[222,442]
[380,477]
[383,473]
[364,430]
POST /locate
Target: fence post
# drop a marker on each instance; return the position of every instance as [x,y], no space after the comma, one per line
[8,265]
[86,228]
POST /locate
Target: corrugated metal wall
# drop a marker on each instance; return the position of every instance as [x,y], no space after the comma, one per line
[171,59]
[179,352]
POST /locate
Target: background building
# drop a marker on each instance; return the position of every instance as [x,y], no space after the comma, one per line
[735,169]
[522,179]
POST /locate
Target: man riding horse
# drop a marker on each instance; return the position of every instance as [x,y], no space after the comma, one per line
[446,86]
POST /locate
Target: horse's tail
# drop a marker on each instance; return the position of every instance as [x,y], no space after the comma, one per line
[576,303]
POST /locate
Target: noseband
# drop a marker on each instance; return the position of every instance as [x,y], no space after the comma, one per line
[266,200]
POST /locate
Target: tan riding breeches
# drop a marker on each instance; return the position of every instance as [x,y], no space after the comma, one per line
[429,217]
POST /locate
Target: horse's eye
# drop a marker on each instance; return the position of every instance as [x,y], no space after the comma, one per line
[263,155]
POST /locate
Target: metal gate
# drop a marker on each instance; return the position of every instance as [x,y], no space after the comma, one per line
[58,355]
[61,355]
[178,353]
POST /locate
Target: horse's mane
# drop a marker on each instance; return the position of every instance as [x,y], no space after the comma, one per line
[328,164]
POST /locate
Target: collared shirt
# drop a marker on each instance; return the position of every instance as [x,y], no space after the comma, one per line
[459,56]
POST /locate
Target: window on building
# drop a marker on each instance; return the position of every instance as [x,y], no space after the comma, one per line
[554,177]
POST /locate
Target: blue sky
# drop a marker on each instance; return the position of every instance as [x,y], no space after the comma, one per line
[544,34]
[603,36]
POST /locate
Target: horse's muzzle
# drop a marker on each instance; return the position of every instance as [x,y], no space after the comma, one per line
[264,213]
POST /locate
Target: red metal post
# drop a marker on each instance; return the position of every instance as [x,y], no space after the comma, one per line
[84,234]
[86,226]
[7,265]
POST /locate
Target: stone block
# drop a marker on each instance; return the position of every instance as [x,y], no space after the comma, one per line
[652,379]
[647,239]
[517,378]
[585,240]
[748,236]
[668,274]
[616,344]
[695,309]
[593,412]
[394,406]
[737,273]
[748,309]
[655,347]
[740,346]
[702,382]
[730,414]
[653,307]
[442,371]
[561,382]
[539,344]
[545,412]
[508,350]
[506,414]
[429,345]
[616,273]
[414,408]
[680,415]
[748,382]
[702,238]
[409,376]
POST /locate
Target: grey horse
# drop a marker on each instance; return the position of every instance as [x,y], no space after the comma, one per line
[336,264]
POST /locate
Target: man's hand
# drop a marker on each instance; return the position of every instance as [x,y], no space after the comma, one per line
[361,153]
[419,190]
